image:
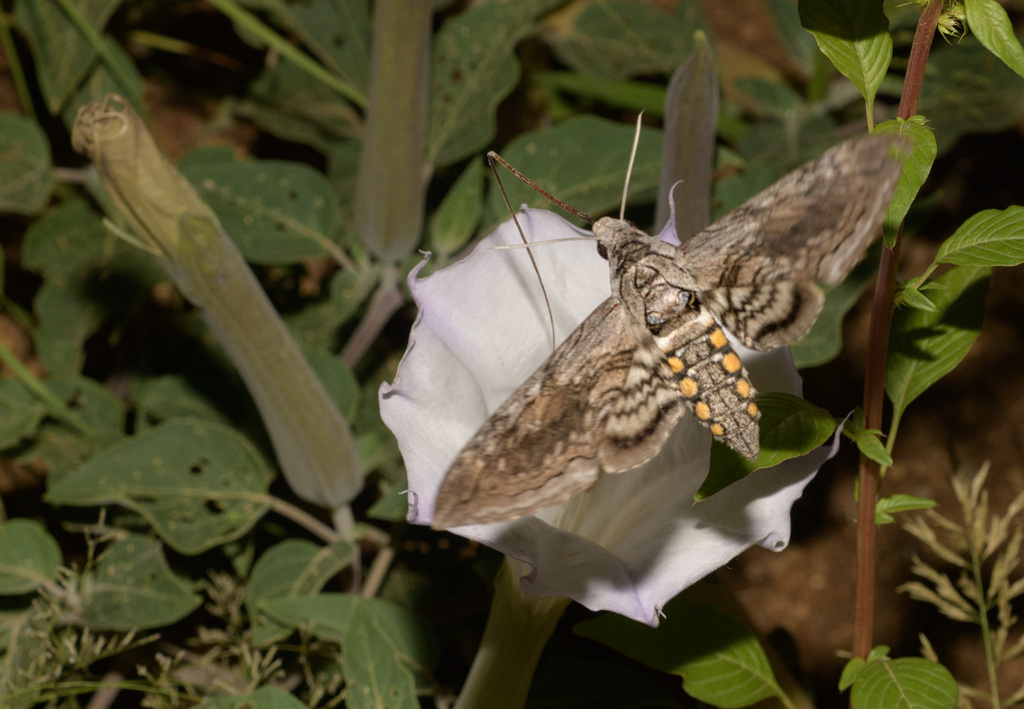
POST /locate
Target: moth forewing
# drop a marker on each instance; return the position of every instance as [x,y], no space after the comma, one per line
[610,395]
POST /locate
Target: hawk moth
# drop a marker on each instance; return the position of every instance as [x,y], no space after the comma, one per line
[609,396]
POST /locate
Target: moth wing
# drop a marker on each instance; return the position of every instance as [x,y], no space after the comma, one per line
[812,225]
[768,315]
[545,442]
[757,264]
[639,413]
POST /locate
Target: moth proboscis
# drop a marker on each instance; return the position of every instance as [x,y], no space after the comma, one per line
[610,395]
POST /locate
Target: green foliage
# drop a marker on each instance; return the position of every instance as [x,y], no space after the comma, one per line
[132,587]
[790,427]
[25,170]
[719,658]
[561,159]
[281,212]
[29,556]
[928,344]
[161,509]
[903,683]
[383,644]
[854,36]
[196,497]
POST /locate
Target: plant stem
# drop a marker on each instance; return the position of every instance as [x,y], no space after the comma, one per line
[275,41]
[517,630]
[874,377]
[55,407]
[982,596]
[303,519]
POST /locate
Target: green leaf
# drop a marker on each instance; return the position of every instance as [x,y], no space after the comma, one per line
[916,167]
[799,43]
[198,484]
[338,379]
[925,346]
[277,212]
[581,161]
[824,340]
[870,444]
[287,102]
[337,32]
[904,683]
[292,568]
[29,556]
[456,218]
[887,506]
[718,657]
[790,427]
[380,642]
[618,39]
[64,448]
[46,26]
[771,98]
[266,697]
[993,237]
[133,587]
[20,412]
[473,68]
[88,275]
[913,298]
[969,90]
[631,95]
[869,441]
[854,36]
[174,396]
[26,178]
[853,667]
[991,25]
[102,82]
[349,290]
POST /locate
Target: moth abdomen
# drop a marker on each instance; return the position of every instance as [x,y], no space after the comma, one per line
[713,381]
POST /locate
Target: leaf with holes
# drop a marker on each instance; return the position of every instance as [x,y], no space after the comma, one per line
[133,587]
[198,484]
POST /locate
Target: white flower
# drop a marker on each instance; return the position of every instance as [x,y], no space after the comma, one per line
[631,542]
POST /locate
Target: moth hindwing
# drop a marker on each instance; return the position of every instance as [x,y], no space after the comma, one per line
[610,395]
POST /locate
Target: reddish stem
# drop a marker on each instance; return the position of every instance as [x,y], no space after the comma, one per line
[874,376]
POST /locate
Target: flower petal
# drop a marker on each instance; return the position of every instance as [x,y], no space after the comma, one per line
[634,540]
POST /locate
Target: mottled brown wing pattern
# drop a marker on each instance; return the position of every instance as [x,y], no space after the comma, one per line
[757,265]
[812,225]
[545,442]
[609,397]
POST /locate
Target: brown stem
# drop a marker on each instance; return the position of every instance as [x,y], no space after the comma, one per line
[874,376]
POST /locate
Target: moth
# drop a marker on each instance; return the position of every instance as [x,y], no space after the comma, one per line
[609,396]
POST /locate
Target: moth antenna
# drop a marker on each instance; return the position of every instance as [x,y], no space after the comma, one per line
[493,157]
[530,245]
[544,291]
[629,168]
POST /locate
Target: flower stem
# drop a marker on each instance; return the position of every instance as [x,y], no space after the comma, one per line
[983,606]
[517,630]
[874,378]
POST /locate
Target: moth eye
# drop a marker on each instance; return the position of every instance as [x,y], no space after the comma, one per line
[684,298]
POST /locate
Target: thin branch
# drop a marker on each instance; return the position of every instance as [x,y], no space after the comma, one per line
[874,377]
